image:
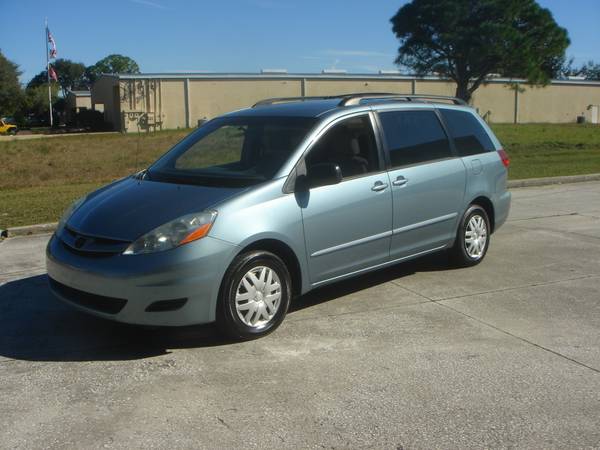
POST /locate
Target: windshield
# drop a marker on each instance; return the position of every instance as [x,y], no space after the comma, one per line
[232,151]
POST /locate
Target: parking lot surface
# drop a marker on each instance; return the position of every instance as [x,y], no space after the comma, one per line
[505,354]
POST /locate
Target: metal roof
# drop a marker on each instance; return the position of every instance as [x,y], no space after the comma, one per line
[80,93]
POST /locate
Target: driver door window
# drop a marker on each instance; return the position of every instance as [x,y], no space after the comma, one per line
[351,145]
[347,226]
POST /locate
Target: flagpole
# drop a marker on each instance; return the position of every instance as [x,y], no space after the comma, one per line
[48,74]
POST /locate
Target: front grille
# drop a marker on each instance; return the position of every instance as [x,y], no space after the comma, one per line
[86,245]
[100,303]
[86,253]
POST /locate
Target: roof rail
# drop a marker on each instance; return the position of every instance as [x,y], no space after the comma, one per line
[270,101]
[354,99]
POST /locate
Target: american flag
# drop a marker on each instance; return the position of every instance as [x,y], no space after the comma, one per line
[52,42]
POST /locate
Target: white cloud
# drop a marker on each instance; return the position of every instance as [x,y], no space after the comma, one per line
[149,3]
[359,53]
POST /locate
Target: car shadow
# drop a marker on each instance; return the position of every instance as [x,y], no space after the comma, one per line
[430,263]
[34,326]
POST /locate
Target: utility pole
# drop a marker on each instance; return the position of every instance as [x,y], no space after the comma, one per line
[48,74]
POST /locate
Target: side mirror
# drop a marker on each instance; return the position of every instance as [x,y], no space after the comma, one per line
[323,174]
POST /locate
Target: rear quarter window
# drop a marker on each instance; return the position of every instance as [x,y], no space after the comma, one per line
[470,138]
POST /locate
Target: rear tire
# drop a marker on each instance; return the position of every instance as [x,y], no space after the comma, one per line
[472,237]
[255,295]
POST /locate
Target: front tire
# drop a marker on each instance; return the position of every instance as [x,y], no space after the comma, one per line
[255,295]
[472,237]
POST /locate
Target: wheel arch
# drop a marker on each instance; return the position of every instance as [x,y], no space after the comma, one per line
[488,206]
[283,251]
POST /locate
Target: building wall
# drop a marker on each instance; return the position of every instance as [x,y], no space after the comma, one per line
[495,102]
[154,103]
[556,103]
[78,101]
[435,87]
[83,102]
[103,93]
[173,103]
[75,104]
[141,104]
[333,87]
[211,98]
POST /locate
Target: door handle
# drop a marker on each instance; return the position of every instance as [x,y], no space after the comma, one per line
[400,181]
[379,186]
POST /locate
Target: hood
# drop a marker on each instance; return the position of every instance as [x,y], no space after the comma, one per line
[129,208]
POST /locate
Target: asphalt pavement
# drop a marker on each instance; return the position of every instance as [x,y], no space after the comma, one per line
[502,355]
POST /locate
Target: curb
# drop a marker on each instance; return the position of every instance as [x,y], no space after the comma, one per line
[31,229]
[28,137]
[528,182]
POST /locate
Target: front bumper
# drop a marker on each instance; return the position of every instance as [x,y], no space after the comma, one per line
[99,284]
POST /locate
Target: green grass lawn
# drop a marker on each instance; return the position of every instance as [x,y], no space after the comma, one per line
[39,178]
[550,150]
[31,205]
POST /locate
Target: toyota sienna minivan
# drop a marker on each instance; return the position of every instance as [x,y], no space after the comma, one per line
[264,204]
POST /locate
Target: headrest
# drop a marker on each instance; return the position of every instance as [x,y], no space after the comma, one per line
[354,146]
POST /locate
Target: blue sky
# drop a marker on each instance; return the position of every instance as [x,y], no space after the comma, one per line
[235,35]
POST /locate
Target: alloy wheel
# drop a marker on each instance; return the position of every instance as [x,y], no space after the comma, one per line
[476,236]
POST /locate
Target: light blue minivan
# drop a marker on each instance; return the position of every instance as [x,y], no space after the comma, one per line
[264,204]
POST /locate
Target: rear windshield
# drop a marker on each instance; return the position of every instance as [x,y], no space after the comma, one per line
[469,136]
[232,151]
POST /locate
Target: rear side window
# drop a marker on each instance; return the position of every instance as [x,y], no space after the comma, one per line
[414,137]
[469,136]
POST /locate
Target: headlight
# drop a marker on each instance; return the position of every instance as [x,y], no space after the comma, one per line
[68,212]
[173,234]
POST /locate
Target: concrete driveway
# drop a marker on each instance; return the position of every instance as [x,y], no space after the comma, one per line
[506,354]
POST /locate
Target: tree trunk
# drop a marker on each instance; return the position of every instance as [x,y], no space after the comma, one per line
[462,90]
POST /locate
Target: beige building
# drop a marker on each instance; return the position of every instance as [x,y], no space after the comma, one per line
[77,101]
[165,101]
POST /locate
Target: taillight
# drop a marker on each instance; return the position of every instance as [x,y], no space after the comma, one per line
[504,157]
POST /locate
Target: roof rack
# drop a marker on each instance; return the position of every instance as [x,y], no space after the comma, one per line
[271,101]
[355,99]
